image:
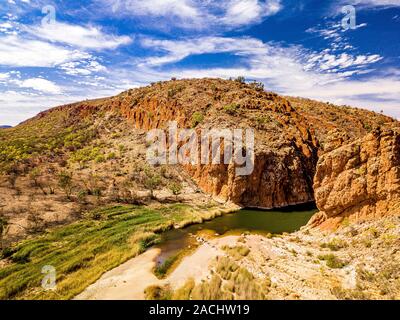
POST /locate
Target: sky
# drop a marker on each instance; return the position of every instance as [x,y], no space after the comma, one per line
[54,52]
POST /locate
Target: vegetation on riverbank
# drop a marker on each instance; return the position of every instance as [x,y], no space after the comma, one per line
[81,252]
[228,281]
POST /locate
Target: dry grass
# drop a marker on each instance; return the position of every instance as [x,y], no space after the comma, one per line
[228,282]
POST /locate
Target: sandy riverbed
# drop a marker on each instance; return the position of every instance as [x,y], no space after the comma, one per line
[129,280]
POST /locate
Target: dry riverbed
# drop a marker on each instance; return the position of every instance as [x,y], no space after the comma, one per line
[356,262]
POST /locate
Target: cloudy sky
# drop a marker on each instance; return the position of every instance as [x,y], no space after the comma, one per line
[53,52]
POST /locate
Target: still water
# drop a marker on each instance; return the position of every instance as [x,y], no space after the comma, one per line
[255,221]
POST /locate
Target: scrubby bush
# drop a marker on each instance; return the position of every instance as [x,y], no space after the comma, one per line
[152,181]
[162,269]
[176,189]
[157,293]
[261,120]
[111,156]
[3,229]
[197,118]
[87,154]
[65,183]
[332,261]
[232,108]
[335,244]
[174,90]
[240,79]
[35,221]
[257,85]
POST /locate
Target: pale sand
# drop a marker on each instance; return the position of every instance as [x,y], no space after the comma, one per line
[125,282]
[129,280]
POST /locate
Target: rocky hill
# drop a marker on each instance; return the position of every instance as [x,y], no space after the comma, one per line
[360,179]
[83,155]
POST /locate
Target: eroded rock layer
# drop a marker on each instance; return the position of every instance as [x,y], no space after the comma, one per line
[359,180]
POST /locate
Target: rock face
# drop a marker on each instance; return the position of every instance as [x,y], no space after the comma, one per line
[279,179]
[285,148]
[359,180]
[289,132]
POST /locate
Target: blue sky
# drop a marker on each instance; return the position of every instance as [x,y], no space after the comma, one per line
[100,48]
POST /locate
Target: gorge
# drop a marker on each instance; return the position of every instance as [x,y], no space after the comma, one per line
[77,175]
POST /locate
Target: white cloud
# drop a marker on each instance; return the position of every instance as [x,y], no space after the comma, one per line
[176,50]
[197,14]
[287,70]
[274,57]
[89,37]
[242,12]
[376,3]
[5,26]
[365,5]
[178,8]
[16,107]
[335,63]
[40,84]
[84,67]
[4,76]
[21,52]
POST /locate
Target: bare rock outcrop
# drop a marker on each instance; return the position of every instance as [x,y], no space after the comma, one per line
[359,180]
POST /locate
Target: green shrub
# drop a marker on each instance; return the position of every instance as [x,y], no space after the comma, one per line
[100,158]
[87,154]
[81,195]
[261,120]
[237,252]
[240,79]
[175,188]
[65,182]
[197,118]
[157,293]
[161,270]
[232,108]
[257,85]
[332,261]
[111,156]
[174,90]
[335,244]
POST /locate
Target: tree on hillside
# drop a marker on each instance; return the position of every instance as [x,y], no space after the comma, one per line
[65,183]
[176,189]
[35,175]
[151,181]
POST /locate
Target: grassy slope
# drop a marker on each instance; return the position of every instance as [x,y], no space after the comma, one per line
[83,251]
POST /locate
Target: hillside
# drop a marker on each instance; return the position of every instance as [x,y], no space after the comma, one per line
[76,185]
[72,158]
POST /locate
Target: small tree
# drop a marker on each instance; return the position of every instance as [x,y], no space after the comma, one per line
[35,175]
[35,222]
[240,79]
[4,225]
[176,189]
[151,182]
[65,183]
[12,179]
